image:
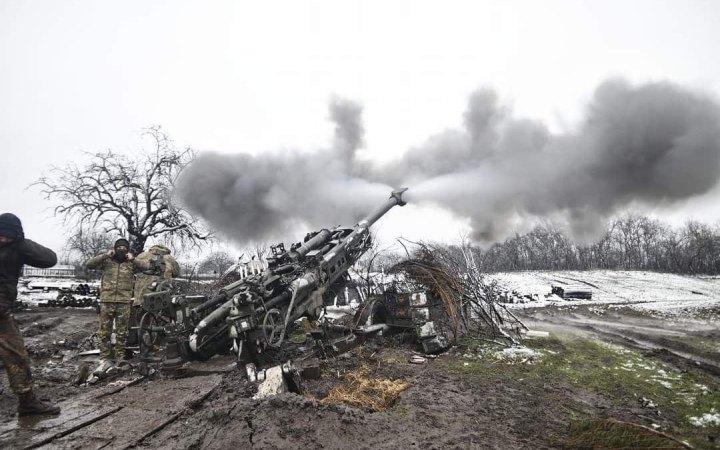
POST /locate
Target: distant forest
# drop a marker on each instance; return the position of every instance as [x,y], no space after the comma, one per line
[630,242]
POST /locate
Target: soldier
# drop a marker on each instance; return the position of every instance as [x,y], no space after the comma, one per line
[118,266]
[162,266]
[15,251]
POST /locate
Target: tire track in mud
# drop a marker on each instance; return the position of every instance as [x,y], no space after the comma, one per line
[194,404]
[73,429]
[656,342]
[674,357]
[137,412]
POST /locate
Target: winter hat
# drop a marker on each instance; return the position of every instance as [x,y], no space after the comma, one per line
[121,241]
[11,227]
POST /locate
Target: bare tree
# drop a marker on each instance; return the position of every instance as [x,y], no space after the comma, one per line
[127,195]
[87,243]
[701,245]
[217,263]
[630,242]
[84,244]
[261,249]
[365,267]
[189,270]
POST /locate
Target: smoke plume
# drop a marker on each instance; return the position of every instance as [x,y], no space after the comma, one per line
[253,198]
[656,143]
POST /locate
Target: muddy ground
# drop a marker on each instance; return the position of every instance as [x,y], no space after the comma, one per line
[54,338]
[466,398]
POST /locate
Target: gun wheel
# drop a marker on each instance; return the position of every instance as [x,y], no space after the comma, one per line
[272,327]
[147,334]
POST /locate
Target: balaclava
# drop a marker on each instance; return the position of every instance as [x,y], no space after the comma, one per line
[121,256]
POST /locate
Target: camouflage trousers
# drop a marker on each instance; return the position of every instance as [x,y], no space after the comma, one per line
[119,314]
[14,355]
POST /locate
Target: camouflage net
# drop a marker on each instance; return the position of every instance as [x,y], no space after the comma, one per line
[359,390]
[469,300]
[424,269]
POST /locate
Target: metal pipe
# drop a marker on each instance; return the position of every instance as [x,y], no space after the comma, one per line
[379,327]
[281,298]
[224,294]
[214,317]
[395,199]
[316,241]
[361,228]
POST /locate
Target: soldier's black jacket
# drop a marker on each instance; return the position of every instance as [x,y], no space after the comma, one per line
[12,258]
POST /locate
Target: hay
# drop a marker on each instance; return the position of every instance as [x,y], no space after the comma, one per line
[358,390]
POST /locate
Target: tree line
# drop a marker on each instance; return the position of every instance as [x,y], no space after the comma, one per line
[630,242]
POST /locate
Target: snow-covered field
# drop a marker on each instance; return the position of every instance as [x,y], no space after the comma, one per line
[648,291]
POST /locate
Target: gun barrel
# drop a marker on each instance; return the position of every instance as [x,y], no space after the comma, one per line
[214,317]
[396,199]
[225,294]
[318,240]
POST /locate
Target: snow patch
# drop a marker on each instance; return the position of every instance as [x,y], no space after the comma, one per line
[707,419]
[518,355]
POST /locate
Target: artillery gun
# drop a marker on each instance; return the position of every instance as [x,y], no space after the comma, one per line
[253,314]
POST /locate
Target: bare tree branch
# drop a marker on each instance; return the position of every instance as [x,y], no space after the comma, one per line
[126,195]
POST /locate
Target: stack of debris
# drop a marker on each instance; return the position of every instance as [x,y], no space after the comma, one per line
[418,312]
[67,299]
[568,292]
[465,301]
[517,297]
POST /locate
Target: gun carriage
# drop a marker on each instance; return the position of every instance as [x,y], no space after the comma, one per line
[253,314]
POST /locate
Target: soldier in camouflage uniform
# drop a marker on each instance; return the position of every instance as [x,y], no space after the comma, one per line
[118,276]
[15,251]
[162,266]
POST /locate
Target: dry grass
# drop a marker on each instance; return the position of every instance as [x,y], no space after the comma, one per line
[359,390]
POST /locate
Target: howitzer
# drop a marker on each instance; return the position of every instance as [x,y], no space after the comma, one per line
[254,313]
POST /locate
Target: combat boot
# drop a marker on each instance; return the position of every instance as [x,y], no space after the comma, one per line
[30,405]
[120,366]
[103,367]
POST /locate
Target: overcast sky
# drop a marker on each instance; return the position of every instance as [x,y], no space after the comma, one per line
[235,76]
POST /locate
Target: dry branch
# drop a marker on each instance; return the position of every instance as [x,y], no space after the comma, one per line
[124,195]
[469,301]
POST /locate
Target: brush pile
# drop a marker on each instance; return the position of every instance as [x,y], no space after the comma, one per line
[469,301]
